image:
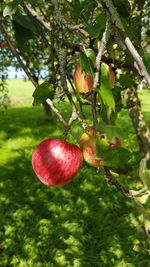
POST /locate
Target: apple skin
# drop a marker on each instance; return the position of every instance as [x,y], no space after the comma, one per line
[56,162]
[83,82]
[88,147]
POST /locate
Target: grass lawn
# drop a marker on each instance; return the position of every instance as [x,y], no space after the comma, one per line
[86,223]
[20,91]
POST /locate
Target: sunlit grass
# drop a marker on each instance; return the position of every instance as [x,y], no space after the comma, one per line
[20,88]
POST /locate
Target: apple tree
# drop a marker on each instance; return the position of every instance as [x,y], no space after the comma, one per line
[95,54]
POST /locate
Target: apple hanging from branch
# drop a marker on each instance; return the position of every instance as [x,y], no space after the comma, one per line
[88,147]
[83,82]
[98,151]
[56,162]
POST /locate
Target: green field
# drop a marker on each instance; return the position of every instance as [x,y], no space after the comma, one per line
[86,223]
[20,92]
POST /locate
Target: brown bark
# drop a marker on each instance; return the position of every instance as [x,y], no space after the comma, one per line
[139,123]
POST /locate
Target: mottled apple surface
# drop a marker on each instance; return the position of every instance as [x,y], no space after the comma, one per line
[56,162]
[83,82]
[88,148]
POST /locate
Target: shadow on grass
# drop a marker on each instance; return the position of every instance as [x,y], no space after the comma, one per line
[86,223]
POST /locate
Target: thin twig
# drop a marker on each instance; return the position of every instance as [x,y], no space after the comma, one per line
[75,47]
[56,111]
[38,18]
[78,28]
[111,180]
[16,54]
[36,23]
[75,112]
[71,120]
[76,95]
[62,63]
[101,51]
[94,112]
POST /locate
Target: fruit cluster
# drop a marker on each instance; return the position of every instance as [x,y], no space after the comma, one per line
[56,162]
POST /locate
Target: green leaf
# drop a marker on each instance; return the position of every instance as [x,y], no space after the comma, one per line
[105,89]
[102,144]
[86,64]
[9,9]
[94,30]
[126,81]
[148,33]
[117,156]
[22,35]
[123,7]
[111,131]
[136,21]
[97,28]
[32,1]
[146,59]
[87,10]
[42,92]
[144,173]
[24,21]
[91,55]
[76,10]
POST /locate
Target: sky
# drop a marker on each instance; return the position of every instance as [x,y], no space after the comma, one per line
[13,74]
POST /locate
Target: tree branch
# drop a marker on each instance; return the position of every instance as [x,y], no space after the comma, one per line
[75,47]
[30,12]
[16,54]
[101,51]
[114,17]
[56,111]
[75,112]
[111,180]
[76,95]
[77,28]
[62,63]
[35,20]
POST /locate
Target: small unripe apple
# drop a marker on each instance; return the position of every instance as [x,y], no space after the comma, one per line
[88,147]
[56,162]
[83,82]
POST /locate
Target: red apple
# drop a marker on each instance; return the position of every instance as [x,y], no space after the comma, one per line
[56,162]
